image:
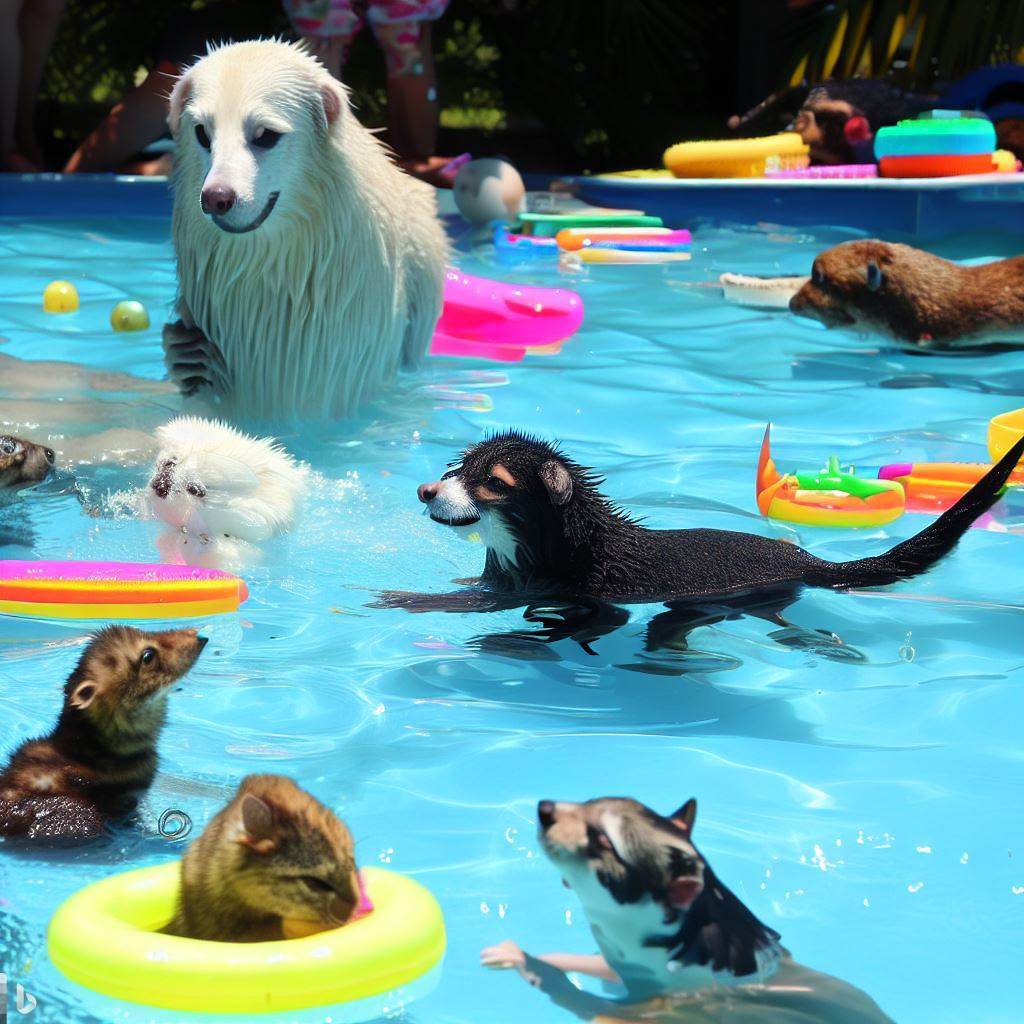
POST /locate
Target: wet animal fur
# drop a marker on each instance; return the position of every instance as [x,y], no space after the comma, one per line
[683,946]
[222,492]
[275,863]
[22,462]
[101,756]
[318,308]
[549,530]
[911,295]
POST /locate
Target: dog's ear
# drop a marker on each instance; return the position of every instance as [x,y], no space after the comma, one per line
[333,100]
[685,816]
[179,97]
[557,480]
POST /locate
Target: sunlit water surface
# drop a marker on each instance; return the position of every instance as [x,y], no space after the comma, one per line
[867,808]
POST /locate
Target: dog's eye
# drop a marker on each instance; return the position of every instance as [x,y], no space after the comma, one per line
[8,446]
[496,483]
[817,276]
[265,138]
[317,884]
[202,137]
[148,656]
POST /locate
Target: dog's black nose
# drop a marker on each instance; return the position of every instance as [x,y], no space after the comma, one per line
[427,492]
[51,456]
[546,814]
[218,199]
[161,486]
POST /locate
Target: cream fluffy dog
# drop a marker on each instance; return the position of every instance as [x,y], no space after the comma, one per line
[310,268]
[222,493]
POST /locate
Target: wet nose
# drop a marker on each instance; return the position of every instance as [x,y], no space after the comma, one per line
[428,492]
[202,641]
[161,486]
[218,199]
[546,814]
[51,456]
[796,303]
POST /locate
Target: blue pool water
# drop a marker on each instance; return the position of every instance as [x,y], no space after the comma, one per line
[869,809]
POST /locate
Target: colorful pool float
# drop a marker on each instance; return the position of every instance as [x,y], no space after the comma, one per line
[622,255]
[508,244]
[116,590]
[106,938]
[937,486]
[550,224]
[827,171]
[737,158]
[945,136]
[935,166]
[1004,432]
[828,498]
[573,239]
[496,320]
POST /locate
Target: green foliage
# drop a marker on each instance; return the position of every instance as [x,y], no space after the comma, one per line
[920,41]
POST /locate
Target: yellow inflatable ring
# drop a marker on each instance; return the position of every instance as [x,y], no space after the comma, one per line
[736,158]
[106,938]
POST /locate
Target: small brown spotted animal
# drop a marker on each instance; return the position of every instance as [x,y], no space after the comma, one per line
[274,864]
[911,295]
[22,462]
[101,757]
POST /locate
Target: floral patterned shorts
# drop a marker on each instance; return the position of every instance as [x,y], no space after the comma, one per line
[395,23]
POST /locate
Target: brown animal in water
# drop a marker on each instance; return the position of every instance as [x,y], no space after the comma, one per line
[910,294]
[22,462]
[101,756]
[274,864]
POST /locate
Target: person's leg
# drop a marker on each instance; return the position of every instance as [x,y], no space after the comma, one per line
[37,27]
[139,119]
[10,74]
[327,29]
[412,88]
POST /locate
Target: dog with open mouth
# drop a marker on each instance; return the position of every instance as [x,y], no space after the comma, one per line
[680,944]
[551,534]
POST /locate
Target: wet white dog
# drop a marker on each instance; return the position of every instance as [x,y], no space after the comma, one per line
[222,492]
[310,268]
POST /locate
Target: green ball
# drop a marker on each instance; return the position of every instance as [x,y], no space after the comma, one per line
[129,316]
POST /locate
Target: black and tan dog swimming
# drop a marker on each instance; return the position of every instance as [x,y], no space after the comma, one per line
[550,533]
[671,933]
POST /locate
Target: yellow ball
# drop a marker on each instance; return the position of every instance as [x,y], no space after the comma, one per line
[129,316]
[60,297]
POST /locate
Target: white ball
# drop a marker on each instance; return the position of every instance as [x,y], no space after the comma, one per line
[487,190]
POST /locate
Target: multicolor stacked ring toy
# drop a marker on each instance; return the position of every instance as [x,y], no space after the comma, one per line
[829,498]
[116,590]
[936,147]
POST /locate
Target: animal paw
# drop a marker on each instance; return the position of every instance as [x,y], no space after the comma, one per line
[194,363]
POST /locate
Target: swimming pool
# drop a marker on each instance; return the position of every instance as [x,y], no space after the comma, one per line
[867,808]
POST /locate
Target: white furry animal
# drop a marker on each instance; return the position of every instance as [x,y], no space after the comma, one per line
[222,492]
[310,268]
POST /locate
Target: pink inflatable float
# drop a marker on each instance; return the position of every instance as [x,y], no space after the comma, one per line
[501,321]
[116,590]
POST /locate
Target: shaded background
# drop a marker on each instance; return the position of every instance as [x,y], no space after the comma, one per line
[576,85]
